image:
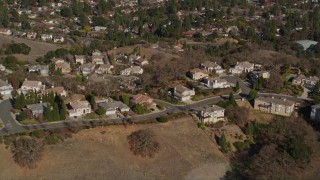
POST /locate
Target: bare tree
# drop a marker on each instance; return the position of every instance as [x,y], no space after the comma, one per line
[27,151]
[143,142]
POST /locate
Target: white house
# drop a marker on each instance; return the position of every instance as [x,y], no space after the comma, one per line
[104,69]
[58,39]
[78,108]
[87,68]
[210,66]
[211,114]
[5,88]
[97,59]
[217,83]
[28,86]
[46,37]
[132,70]
[2,68]
[80,59]
[5,31]
[240,67]
[183,93]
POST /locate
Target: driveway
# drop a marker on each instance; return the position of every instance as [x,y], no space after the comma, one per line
[234,79]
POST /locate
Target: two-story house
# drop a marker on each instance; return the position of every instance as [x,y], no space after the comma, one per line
[132,70]
[210,66]
[81,59]
[240,67]
[97,59]
[5,88]
[28,86]
[56,90]
[183,93]
[197,74]
[142,99]
[211,114]
[279,106]
[217,83]
[78,108]
[87,68]
[104,69]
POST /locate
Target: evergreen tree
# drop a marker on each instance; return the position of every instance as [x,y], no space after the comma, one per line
[48,114]
[55,112]
[237,88]
[92,101]
[63,112]
[224,144]
[20,101]
[100,111]
[231,98]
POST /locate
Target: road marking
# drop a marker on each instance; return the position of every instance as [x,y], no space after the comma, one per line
[8,125]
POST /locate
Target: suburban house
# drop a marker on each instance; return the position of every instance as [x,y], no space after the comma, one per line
[87,68]
[81,59]
[134,57]
[309,82]
[57,60]
[210,114]
[97,59]
[96,53]
[78,108]
[142,99]
[183,93]
[58,39]
[5,88]
[197,74]
[259,73]
[36,110]
[132,70]
[240,67]
[210,66]
[42,69]
[28,86]
[64,67]
[56,90]
[2,67]
[279,106]
[5,31]
[31,35]
[104,69]
[315,112]
[112,107]
[217,83]
[46,37]
[140,62]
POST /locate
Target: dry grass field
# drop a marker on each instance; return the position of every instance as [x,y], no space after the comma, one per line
[103,153]
[256,115]
[37,48]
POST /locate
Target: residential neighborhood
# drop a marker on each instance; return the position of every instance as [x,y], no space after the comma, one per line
[230,87]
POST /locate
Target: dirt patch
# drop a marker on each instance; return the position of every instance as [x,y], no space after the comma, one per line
[103,153]
[38,49]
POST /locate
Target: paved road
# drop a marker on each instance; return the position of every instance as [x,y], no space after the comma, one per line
[12,126]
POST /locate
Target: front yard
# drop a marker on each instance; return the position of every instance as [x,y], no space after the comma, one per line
[255,115]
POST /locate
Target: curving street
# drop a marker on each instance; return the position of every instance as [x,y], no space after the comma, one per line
[11,126]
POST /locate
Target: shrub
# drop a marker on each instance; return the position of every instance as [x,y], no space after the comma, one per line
[201,125]
[143,143]
[27,151]
[163,119]
[241,146]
